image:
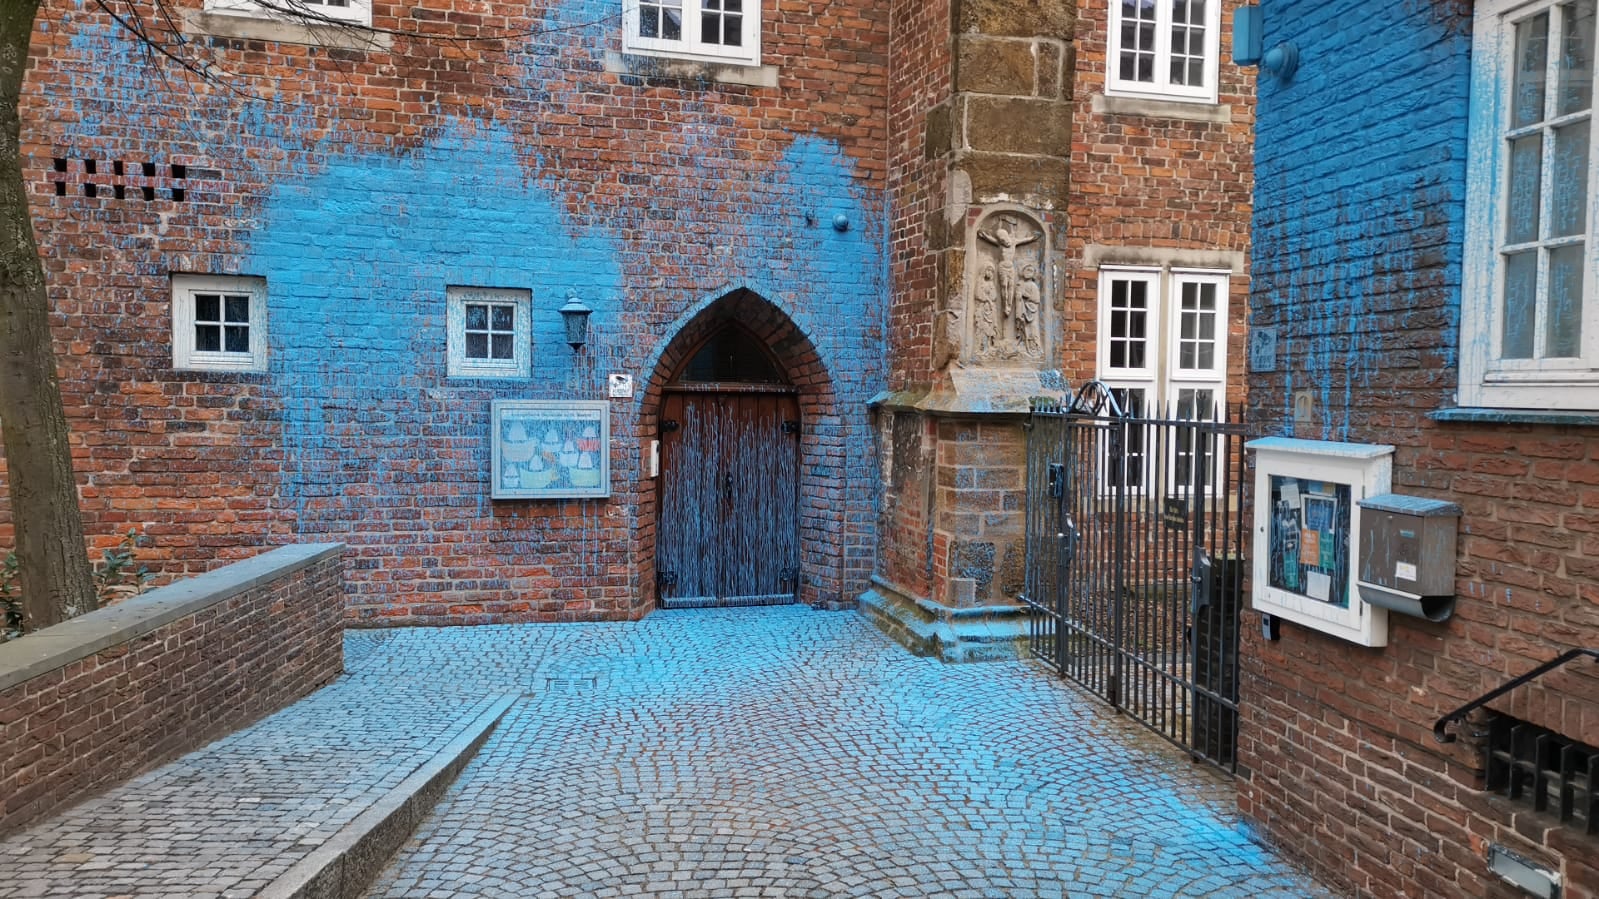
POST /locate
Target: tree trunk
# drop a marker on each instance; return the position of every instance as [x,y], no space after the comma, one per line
[53,560]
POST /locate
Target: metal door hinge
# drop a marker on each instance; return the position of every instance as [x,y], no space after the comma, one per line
[668,426]
[791,427]
[665,580]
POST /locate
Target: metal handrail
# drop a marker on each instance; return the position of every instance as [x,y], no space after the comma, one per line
[1439,730]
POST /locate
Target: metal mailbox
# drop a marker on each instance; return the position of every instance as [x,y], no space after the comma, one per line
[1407,554]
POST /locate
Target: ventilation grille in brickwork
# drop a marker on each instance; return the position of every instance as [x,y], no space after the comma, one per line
[119,180]
[1542,769]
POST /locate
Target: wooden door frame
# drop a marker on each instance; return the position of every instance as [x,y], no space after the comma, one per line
[712,390]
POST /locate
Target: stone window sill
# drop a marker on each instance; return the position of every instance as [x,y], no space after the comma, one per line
[1474,415]
[1188,111]
[258,28]
[689,69]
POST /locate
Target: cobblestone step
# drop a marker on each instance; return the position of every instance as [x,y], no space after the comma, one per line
[344,866]
[343,774]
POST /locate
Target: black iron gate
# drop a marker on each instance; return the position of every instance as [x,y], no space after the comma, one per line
[1135,563]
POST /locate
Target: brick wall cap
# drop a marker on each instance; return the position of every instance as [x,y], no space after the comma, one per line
[977,392]
[77,638]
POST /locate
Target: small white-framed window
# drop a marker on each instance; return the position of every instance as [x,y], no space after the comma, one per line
[1163,354]
[301,12]
[710,30]
[1165,49]
[489,332]
[1529,324]
[219,323]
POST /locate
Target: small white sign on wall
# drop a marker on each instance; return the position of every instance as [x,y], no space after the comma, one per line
[621,386]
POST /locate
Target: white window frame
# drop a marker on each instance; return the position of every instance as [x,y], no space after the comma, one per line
[462,366]
[185,355]
[1161,379]
[358,12]
[1162,88]
[748,54]
[1569,383]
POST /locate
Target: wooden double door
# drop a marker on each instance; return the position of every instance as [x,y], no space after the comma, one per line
[728,521]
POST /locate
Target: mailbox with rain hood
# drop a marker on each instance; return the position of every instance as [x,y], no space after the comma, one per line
[1407,555]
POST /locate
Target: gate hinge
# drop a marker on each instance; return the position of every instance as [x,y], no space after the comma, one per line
[789,576]
[665,580]
[668,426]
[791,427]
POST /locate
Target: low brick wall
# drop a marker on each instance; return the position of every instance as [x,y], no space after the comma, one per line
[95,700]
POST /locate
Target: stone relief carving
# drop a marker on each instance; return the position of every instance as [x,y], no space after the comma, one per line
[1007,290]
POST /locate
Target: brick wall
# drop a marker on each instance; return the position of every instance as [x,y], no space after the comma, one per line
[123,689]
[360,183]
[1146,176]
[1357,264]
[981,476]
[920,80]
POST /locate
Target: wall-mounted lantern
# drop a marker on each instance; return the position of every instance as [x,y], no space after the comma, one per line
[576,317]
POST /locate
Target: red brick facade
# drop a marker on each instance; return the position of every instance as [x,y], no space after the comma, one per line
[1157,177]
[360,183]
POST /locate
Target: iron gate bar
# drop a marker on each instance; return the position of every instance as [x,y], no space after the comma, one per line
[1135,561]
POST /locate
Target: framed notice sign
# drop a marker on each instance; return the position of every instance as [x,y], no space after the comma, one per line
[1307,520]
[551,449]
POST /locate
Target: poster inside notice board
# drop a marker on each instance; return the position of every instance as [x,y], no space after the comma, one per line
[550,449]
[1309,544]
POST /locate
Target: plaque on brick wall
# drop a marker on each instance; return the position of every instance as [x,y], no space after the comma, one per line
[1263,349]
[1007,289]
[550,449]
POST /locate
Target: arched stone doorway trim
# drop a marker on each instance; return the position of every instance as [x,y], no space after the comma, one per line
[821,469]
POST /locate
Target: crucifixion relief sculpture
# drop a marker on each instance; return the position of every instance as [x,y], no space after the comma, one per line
[1008,290]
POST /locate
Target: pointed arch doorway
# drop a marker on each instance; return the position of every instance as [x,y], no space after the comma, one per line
[728,532]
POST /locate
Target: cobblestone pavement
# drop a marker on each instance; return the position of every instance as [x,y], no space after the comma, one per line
[785,752]
[227,819]
[743,752]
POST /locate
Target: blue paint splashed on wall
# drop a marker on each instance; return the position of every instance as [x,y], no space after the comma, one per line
[358,240]
[358,259]
[1359,211]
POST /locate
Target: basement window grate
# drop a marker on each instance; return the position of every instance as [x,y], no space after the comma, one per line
[120,180]
[1540,768]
